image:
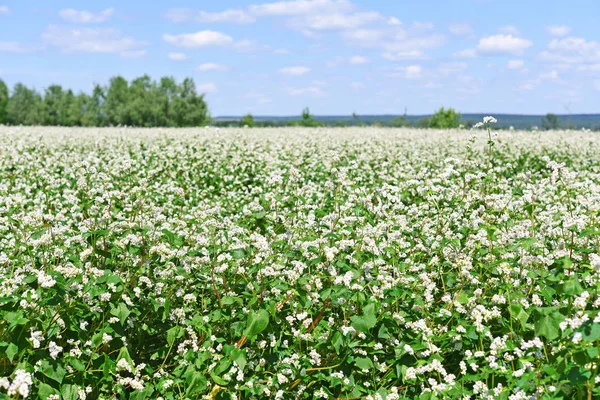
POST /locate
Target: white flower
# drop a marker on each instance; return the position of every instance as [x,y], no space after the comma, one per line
[489,120]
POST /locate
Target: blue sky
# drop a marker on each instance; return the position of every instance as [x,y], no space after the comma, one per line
[335,56]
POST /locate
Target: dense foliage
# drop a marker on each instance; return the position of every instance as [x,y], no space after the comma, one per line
[142,102]
[357,263]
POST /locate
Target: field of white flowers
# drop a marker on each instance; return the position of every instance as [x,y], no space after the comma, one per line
[296,264]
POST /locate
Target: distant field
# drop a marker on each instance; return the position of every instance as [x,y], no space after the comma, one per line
[297,263]
[588,121]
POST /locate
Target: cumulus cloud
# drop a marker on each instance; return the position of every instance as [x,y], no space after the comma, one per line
[294,71]
[198,39]
[356,60]
[211,67]
[503,44]
[338,21]
[12,47]
[410,72]
[178,56]
[558,30]
[404,55]
[300,7]
[572,50]
[90,40]
[460,29]
[86,17]
[515,64]
[232,15]
[4,10]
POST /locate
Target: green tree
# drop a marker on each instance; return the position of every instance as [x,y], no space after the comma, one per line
[248,121]
[52,105]
[115,105]
[93,112]
[24,106]
[399,122]
[444,119]
[550,122]
[3,102]
[307,119]
[70,110]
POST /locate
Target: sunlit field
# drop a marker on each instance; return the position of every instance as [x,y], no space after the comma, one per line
[299,263]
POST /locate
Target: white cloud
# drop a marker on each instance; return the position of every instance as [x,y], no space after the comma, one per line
[409,72]
[404,55]
[503,44]
[4,10]
[393,21]
[300,7]
[467,53]
[365,37]
[572,50]
[179,15]
[12,47]
[515,64]
[206,88]
[338,21]
[356,60]
[460,29]
[90,40]
[258,97]
[198,39]
[423,26]
[294,71]
[86,17]
[235,16]
[558,30]
[314,90]
[211,67]
[551,76]
[249,45]
[178,56]
[509,30]
[281,52]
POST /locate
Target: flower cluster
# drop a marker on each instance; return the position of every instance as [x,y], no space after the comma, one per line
[296,263]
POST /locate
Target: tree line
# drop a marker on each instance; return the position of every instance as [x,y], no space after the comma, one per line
[142,102]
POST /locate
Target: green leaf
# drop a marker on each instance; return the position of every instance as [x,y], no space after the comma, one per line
[363,363]
[218,380]
[196,383]
[121,311]
[45,390]
[591,332]
[69,392]
[238,254]
[337,341]
[11,351]
[518,313]
[228,300]
[572,287]
[56,373]
[367,320]
[239,356]
[548,325]
[174,333]
[257,322]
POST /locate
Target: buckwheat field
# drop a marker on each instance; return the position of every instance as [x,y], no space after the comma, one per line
[296,263]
